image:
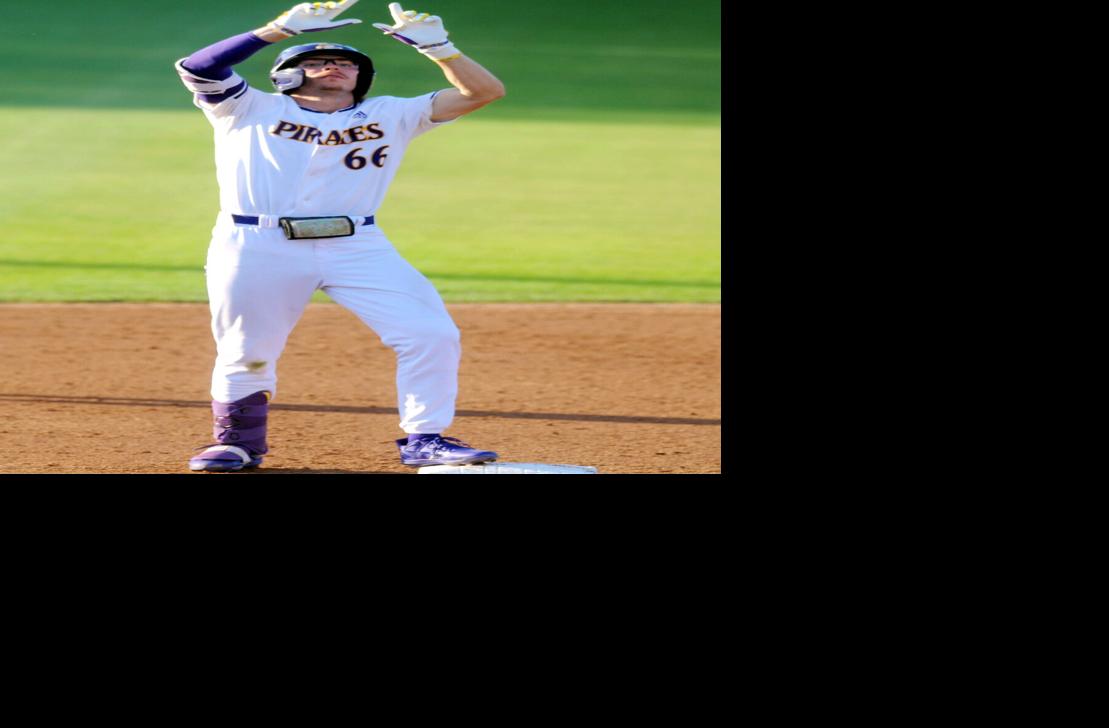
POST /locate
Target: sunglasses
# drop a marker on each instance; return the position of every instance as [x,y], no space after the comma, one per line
[321,62]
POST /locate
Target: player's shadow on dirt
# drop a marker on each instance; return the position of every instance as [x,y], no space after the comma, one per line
[348,409]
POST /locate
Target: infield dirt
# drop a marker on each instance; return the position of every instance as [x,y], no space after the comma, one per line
[123,388]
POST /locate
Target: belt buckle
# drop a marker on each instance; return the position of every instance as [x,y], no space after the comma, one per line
[307,228]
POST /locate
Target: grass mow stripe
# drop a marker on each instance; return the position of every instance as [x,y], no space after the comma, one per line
[504,278]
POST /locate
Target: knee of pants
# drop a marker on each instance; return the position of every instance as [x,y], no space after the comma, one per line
[263,368]
[425,335]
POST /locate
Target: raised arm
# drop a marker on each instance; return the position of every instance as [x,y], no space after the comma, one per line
[207,72]
[215,61]
[474,86]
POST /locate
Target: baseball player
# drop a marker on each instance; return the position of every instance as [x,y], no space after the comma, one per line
[302,173]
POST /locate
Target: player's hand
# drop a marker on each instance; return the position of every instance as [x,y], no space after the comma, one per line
[312,17]
[425,32]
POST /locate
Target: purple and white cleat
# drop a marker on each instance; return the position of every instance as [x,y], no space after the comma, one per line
[224,459]
[438,450]
[239,428]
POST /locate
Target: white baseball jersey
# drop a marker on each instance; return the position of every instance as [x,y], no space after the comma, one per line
[275,158]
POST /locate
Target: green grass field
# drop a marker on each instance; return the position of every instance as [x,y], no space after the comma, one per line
[596,179]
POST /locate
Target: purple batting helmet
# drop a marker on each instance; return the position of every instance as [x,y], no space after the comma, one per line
[286,76]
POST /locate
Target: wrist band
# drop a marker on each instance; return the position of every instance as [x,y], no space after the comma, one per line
[444,51]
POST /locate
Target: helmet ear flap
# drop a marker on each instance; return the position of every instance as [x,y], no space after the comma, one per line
[366,75]
[287,79]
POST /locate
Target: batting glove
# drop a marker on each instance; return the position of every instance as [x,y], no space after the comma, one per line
[312,17]
[425,32]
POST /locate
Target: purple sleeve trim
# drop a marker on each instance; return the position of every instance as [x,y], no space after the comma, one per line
[235,92]
[215,61]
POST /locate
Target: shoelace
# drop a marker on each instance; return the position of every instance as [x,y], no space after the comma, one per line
[440,442]
[228,423]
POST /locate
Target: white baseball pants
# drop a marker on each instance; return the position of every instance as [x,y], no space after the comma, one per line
[259,284]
